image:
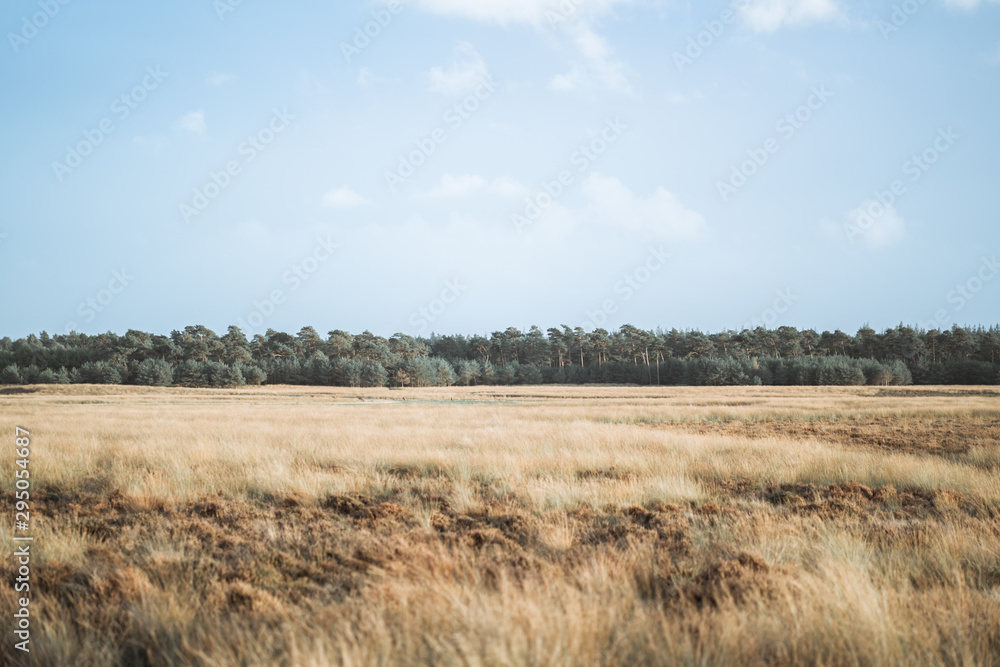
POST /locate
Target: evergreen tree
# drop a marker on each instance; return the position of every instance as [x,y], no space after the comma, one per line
[444,374]
[100,372]
[252,374]
[191,373]
[339,345]
[487,373]
[10,375]
[466,372]
[154,372]
[231,376]
[373,374]
[235,347]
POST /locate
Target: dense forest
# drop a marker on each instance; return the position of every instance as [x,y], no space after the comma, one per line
[198,357]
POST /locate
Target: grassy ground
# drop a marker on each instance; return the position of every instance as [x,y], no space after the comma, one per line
[529,525]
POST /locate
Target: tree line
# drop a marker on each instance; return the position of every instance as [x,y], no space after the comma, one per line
[198,357]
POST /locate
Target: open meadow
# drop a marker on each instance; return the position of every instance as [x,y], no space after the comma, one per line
[507,526]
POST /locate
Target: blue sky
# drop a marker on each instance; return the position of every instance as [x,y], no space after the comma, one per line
[468,166]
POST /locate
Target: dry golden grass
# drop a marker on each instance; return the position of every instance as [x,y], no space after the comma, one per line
[499,525]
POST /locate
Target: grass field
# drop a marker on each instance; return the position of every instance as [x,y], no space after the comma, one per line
[508,526]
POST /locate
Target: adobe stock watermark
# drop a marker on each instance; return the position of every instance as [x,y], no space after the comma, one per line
[93,305]
[864,218]
[364,35]
[224,7]
[582,158]
[627,288]
[697,44]
[899,17]
[22,537]
[558,17]
[293,278]
[964,293]
[247,152]
[786,127]
[769,316]
[433,311]
[30,26]
[427,145]
[121,109]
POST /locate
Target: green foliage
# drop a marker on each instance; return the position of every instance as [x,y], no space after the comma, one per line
[48,376]
[101,372]
[252,375]
[487,373]
[10,375]
[232,377]
[191,373]
[197,357]
[155,373]
[373,374]
[466,372]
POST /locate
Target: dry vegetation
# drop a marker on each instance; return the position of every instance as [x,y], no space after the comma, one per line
[537,526]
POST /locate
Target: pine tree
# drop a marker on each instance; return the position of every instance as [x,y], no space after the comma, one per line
[10,375]
[154,372]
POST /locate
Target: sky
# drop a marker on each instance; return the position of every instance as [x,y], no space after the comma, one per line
[461,166]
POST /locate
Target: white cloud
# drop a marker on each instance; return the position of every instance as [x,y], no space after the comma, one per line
[597,65]
[218,78]
[770,15]
[468,185]
[464,73]
[572,17]
[458,186]
[368,78]
[566,83]
[612,204]
[192,122]
[507,187]
[344,198]
[503,12]
[874,225]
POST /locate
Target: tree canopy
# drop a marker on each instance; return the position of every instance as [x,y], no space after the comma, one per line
[197,357]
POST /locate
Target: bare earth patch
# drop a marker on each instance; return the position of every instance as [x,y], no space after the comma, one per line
[935,436]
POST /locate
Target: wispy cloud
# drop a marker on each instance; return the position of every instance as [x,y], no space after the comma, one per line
[344,198]
[192,122]
[592,63]
[660,214]
[462,75]
[504,12]
[596,67]
[770,15]
[873,226]
[218,78]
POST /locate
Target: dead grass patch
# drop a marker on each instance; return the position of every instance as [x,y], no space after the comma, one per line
[537,526]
